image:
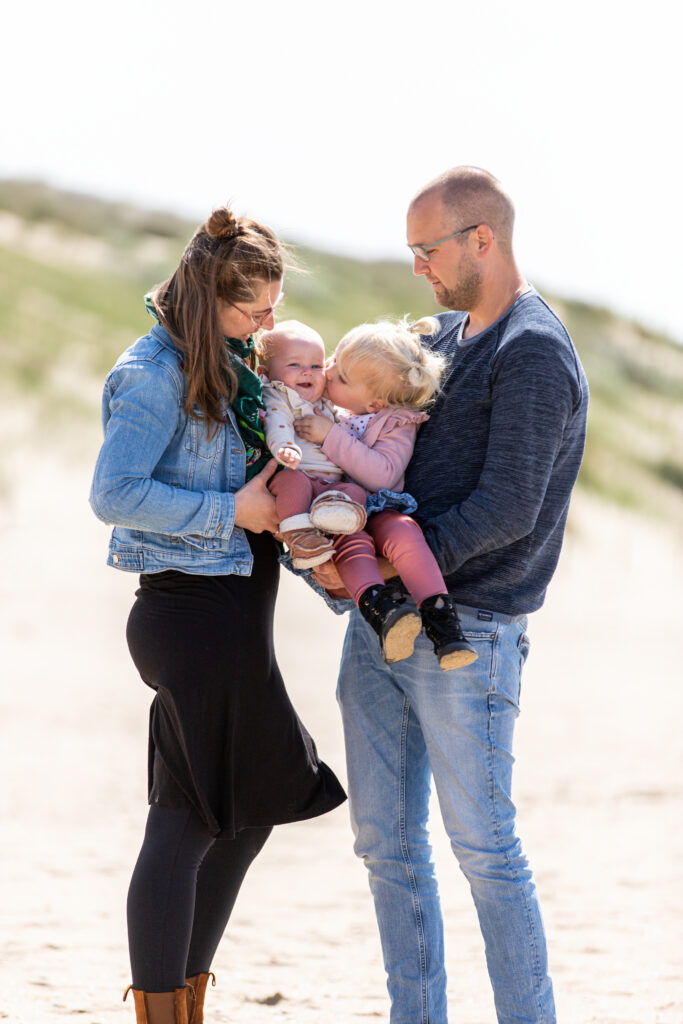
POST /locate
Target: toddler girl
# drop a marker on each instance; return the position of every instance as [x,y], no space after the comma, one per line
[380,378]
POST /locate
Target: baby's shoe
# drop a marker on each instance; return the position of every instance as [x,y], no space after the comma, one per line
[393,618]
[442,626]
[336,512]
[308,547]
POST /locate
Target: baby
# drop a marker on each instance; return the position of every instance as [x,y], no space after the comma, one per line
[380,379]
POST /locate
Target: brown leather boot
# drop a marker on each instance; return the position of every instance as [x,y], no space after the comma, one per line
[196,990]
[308,547]
[159,1007]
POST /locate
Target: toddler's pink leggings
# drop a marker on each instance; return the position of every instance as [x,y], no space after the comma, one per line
[398,538]
[294,492]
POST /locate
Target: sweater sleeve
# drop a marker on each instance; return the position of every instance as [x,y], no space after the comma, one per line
[533,396]
[383,464]
[141,423]
[279,422]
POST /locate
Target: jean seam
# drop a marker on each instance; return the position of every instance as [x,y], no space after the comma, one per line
[496,825]
[410,871]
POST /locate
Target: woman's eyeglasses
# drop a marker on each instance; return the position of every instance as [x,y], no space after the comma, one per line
[261,316]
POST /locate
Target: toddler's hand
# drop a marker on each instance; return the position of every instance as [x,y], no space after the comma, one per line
[313,428]
[289,457]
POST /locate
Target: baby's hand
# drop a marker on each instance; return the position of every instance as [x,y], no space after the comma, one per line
[289,457]
[313,428]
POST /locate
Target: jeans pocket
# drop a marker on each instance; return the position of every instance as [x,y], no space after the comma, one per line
[479,635]
[523,646]
[511,649]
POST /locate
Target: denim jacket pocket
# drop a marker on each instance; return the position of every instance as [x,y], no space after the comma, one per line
[199,443]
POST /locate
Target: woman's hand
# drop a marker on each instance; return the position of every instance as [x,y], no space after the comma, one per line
[313,428]
[255,505]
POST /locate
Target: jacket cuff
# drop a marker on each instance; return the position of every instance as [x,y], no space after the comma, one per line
[222,518]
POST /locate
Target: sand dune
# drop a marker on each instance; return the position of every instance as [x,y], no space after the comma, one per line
[599,789]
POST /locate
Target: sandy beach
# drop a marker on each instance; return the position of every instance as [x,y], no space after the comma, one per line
[599,787]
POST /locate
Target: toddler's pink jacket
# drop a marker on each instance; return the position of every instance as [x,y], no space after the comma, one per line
[380,458]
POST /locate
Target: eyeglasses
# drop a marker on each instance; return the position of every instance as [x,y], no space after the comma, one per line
[423,251]
[258,319]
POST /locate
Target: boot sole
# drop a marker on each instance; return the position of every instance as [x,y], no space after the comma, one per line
[399,642]
[457,659]
[337,520]
[312,560]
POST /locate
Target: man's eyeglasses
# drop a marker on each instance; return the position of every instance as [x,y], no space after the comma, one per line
[423,251]
[259,318]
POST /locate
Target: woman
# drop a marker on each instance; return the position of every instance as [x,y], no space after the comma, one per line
[183,475]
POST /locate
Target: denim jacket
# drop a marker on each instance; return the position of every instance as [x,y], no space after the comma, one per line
[167,487]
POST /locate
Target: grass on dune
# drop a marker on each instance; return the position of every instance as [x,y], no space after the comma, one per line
[64,319]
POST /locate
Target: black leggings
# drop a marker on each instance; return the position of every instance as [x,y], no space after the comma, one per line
[181,895]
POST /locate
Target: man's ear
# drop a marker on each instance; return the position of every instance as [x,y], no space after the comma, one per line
[484,238]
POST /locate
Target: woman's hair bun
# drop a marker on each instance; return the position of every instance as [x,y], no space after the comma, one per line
[223,224]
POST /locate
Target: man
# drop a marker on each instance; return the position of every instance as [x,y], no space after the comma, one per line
[493,471]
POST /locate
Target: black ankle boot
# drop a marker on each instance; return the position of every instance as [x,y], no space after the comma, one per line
[393,618]
[442,626]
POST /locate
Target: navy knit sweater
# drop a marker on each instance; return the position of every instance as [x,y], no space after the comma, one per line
[494,467]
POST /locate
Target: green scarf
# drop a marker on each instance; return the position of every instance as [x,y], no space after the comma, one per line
[247,403]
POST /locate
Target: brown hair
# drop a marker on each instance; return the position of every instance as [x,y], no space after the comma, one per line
[223,260]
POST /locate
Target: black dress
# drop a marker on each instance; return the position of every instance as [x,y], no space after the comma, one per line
[224,737]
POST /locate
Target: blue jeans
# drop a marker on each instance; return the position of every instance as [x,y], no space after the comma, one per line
[403,724]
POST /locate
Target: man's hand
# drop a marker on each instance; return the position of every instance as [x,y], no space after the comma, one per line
[327,576]
[289,457]
[386,568]
[313,428]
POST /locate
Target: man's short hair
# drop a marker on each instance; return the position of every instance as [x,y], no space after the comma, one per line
[471,195]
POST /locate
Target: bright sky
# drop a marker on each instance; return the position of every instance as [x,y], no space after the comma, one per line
[322,119]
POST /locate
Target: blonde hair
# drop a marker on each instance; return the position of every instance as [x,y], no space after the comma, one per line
[397,368]
[267,342]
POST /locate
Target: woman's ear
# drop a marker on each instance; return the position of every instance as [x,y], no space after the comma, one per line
[376,405]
